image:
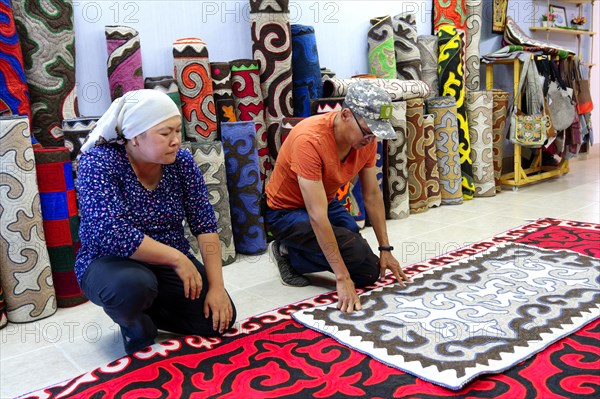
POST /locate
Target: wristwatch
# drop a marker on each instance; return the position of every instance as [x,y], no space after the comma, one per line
[386,248]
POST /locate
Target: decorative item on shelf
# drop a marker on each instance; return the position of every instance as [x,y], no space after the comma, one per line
[578,22]
[560,16]
[548,19]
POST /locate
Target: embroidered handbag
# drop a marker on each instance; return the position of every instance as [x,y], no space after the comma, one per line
[528,129]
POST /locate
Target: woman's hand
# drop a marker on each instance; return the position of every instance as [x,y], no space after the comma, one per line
[217,301]
[189,275]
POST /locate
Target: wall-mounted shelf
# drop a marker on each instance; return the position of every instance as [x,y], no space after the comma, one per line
[538,11]
[560,30]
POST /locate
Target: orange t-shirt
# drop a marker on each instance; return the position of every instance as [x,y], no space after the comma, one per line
[310,151]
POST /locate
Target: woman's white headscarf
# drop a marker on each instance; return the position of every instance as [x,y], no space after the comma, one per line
[131,115]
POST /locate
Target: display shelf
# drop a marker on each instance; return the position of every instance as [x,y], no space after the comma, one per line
[561,30]
[536,172]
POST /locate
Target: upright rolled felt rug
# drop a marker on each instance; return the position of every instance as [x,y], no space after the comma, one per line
[221,79]
[451,75]
[434,195]
[500,109]
[249,106]
[408,59]
[398,169]
[380,39]
[14,94]
[499,15]
[75,132]
[25,273]
[324,105]
[306,71]
[415,144]
[473,37]
[396,88]
[480,113]
[428,51]
[276,142]
[3,315]
[244,186]
[124,63]
[272,45]
[48,43]
[192,72]
[446,144]
[61,221]
[168,85]
[449,13]
[209,157]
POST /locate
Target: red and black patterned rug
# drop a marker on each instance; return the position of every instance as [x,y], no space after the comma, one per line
[272,356]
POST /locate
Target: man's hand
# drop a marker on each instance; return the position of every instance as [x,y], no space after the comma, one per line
[348,300]
[387,261]
[217,301]
[189,275]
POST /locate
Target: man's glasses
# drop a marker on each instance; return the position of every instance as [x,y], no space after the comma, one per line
[366,135]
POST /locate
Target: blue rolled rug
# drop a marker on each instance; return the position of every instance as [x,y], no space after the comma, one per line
[244,186]
[306,71]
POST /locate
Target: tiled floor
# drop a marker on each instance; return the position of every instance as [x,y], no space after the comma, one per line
[76,340]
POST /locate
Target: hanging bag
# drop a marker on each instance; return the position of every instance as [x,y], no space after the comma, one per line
[561,106]
[581,87]
[528,130]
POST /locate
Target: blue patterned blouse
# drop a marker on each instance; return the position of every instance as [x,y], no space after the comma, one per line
[117,210]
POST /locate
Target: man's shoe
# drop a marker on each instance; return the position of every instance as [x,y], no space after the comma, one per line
[289,276]
[133,345]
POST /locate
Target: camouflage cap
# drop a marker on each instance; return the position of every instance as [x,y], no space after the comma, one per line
[374,104]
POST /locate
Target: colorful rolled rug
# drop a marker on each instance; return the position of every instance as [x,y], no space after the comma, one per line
[3,315]
[397,89]
[473,37]
[249,106]
[381,164]
[244,186]
[124,64]
[480,113]
[451,76]
[221,79]
[446,145]
[276,142]
[381,55]
[61,221]
[47,39]
[168,85]
[499,15]
[326,72]
[272,45]
[408,58]
[273,356]
[306,71]
[192,72]
[75,132]
[209,157]
[324,105]
[500,110]
[14,94]
[449,13]
[415,144]
[397,160]
[25,273]
[428,53]
[434,195]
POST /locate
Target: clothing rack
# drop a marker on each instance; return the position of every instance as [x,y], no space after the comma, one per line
[535,172]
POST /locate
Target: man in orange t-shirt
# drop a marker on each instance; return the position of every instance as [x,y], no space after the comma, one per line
[312,231]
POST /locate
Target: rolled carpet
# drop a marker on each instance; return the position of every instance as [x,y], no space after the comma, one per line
[26,274]
[61,221]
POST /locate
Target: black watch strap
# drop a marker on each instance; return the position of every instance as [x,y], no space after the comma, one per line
[386,248]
